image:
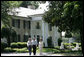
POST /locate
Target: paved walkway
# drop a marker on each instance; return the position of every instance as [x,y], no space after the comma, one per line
[44,54]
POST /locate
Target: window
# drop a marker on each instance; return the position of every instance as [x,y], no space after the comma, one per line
[50,27]
[37,26]
[18,36]
[24,24]
[28,24]
[18,21]
[38,38]
[13,22]
[25,38]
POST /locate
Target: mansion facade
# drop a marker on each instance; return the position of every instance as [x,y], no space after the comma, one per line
[34,26]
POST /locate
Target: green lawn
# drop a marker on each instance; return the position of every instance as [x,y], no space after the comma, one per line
[21,50]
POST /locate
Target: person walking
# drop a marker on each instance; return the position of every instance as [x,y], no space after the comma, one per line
[34,43]
[40,46]
[29,45]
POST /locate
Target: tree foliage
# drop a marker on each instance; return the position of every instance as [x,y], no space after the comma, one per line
[27,3]
[53,16]
[6,32]
[7,6]
[67,15]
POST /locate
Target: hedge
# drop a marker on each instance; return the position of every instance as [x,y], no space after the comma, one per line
[21,50]
[18,44]
[3,46]
[66,45]
[74,44]
[9,49]
[49,41]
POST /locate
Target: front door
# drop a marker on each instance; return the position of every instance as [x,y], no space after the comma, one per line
[38,37]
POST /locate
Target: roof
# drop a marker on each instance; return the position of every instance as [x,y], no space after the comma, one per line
[25,12]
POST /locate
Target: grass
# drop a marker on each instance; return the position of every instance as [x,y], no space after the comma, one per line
[23,50]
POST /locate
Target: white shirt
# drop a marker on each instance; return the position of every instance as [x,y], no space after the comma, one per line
[29,43]
[34,42]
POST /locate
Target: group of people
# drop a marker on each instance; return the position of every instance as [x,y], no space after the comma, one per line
[32,43]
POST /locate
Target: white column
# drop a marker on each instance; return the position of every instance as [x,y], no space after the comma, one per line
[31,29]
[56,36]
[46,33]
[43,30]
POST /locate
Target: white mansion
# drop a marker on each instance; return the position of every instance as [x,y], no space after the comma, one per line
[34,26]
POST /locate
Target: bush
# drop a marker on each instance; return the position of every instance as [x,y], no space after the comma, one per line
[67,51]
[79,44]
[59,41]
[66,45]
[56,51]
[74,44]
[49,41]
[3,45]
[21,50]
[9,49]
[57,47]
[18,44]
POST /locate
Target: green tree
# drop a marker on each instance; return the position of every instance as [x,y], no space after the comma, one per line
[73,11]
[13,35]
[66,15]
[7,6]
[26,3]
[6,32]
[33,3]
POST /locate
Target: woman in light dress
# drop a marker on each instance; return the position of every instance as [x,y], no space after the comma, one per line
[40,46]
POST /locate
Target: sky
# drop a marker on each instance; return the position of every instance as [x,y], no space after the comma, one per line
[24,12]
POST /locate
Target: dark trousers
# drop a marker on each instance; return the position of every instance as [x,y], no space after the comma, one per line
[29,50]
[34,49]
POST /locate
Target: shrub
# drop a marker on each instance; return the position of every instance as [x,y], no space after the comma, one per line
[79,44]
[21,50]
[14,45]
[9,49]
[66,45]
[3,45]
[57,47]
[67,51]
[74,44]
[49,41]
[18,44]
[56,51]
[59,41]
